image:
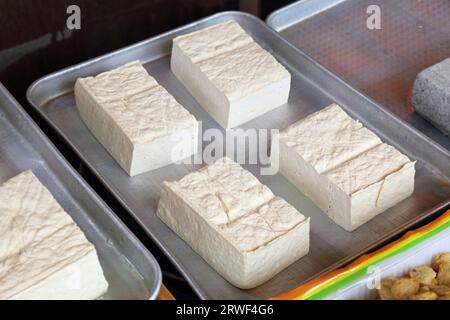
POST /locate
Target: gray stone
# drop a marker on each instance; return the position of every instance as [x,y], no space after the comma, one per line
[431,95]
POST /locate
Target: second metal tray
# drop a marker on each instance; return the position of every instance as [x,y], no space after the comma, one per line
[313,87]
[131,271]
[382,64]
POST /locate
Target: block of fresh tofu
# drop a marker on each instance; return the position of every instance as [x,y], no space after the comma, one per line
[431,95]
[343,167]
[233,78]
[245,232]
[138,122]
[43,253]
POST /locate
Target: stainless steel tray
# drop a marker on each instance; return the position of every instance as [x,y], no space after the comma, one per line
[130,269]
[313,87]
[381,64]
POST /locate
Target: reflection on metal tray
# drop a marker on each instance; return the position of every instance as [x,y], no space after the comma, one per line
[381,64]
[130,269]
[313,87]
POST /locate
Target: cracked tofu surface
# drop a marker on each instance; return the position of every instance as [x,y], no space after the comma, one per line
[143,109]
[345,168]
[137,120]
[40,244]
[231,59]
[328,138]
[232,76]
[234,222]
[367,168]
[232,200]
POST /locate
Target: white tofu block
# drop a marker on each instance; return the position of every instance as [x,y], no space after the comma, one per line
[43,253]
[137,121]
[229,74]
[245,232]
[344,168]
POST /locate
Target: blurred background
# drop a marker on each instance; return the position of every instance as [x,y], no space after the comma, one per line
[34,41]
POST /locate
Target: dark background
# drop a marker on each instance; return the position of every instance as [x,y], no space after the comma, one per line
[34,41]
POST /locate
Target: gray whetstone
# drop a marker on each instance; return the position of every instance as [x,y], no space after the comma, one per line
[431,95]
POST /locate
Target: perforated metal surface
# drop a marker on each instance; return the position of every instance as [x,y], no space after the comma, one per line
[382,64]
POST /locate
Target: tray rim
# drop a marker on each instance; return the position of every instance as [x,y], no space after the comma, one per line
[231,14]
[271,18]
[14,105]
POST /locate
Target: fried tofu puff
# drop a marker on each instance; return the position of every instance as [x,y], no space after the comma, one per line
[385,292]
[426,295]
[424,275]
[440,259]
[443,276]
[404,288]
[441,290]
[424,282]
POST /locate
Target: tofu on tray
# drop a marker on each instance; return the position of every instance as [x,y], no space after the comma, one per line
[231,76]
[43,253]
[343,167]
[137,121]
[245,232]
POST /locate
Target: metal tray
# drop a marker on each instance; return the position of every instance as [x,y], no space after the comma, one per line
[381,64]
[313,87]
[130,269]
